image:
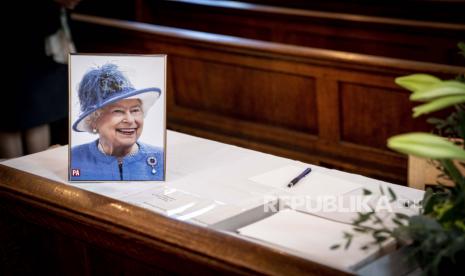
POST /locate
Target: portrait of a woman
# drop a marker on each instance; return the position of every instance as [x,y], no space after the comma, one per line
[113,110]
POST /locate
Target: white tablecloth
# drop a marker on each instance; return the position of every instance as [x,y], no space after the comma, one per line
[210,181]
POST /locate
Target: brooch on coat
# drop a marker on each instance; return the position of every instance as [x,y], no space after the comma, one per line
[152,161]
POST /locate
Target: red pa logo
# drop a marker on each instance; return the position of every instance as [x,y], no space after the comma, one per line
[75,172]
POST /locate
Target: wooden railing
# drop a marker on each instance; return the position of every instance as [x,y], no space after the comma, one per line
[331,108]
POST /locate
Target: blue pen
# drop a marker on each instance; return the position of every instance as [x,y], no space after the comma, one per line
[299,177]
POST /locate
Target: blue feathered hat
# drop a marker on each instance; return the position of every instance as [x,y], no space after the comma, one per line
[106,85]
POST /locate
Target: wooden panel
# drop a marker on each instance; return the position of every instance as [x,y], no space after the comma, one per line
[399,38]
[31,249]
[370,114]
[243,93]
[379,41]
[328,109]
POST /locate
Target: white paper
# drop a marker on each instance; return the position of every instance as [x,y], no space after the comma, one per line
[346,208]
[167,201]
[314,184]
[310,237]
[278,178]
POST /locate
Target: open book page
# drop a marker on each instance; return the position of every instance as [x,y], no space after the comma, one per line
[183,205]
[311,237]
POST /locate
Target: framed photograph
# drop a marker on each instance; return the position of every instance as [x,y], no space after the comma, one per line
[117,117]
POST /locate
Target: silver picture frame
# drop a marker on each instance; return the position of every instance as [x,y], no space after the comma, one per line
[117,117]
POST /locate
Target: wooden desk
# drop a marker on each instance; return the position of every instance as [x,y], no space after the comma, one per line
[52,227]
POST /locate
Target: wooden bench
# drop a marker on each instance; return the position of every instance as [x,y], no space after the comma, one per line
[431,10]
[420,40]
[331,108]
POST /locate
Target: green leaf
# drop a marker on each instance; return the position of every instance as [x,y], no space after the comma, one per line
[360,229]
[398,222]
[348,242]
[461,46]
[392,194]
[425,145]
[435,121]
[431,199]
[441,89]
[347,235]
[380,239]
[377,220]
[401,216]
[416,82]
[380,235]
[460,126]
[438,104]
[454,173]
[366,192]
[381,190]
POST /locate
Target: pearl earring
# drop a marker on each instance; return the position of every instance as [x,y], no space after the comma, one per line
[94,130]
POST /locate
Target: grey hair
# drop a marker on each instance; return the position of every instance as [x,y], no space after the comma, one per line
[91,120]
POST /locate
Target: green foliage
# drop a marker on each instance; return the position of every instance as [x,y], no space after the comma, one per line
[437,234]
[452,126]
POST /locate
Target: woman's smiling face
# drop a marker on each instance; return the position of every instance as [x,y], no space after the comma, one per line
[120,124]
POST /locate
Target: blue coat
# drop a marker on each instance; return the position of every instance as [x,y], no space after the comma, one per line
[88,163]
